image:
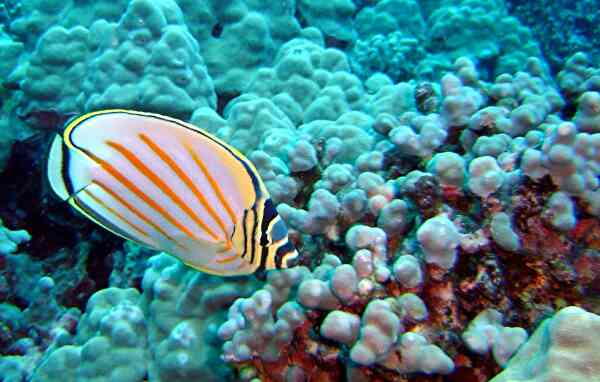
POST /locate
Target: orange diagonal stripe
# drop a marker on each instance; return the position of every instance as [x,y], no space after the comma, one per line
[164,188]
[212,183]
[133,188]
[133,209]
[116,213]
[226,259]
[185,179]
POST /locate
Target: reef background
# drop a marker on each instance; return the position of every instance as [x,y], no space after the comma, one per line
[436,161]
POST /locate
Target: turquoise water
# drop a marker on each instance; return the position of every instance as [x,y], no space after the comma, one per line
[435,164]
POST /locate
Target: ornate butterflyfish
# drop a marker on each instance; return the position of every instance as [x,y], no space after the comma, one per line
[171,186]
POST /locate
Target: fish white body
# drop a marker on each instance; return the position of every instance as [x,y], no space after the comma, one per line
[171,186]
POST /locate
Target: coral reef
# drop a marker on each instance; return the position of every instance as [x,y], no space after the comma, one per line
[437,167]
[559,16]
[562,347]
[148,60]
[130,336]
[425,44]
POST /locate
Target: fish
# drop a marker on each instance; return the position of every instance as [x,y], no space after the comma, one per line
[169,185]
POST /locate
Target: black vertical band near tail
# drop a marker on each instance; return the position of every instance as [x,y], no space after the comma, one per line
[264,253]
[253,238]
[269,214]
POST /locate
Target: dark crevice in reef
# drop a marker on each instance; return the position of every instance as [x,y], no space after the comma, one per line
[569,110]
[452,142]
[301,19]
[27,202]
[487,67]
[216,31]
[99,263]
[223,100]
[46,120]
[332,42]
[308,180]
[397,163]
